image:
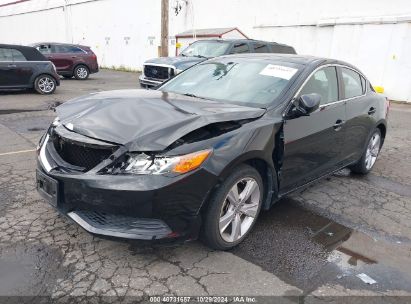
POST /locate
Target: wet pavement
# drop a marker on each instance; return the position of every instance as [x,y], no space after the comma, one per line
[310,245]
[308,251]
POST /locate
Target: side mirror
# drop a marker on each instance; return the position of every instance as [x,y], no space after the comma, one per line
[305,105]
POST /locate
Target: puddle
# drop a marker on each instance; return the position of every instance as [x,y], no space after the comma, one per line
[29,271]
[308,251]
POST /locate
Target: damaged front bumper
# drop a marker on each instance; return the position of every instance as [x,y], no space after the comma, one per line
[144,207]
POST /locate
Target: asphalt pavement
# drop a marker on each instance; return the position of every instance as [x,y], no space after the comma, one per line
[326,243]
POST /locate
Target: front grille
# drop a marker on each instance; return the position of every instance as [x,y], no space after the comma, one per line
[120,225]
[156,72]
[78,154]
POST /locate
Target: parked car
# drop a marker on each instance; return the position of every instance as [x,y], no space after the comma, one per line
[158,70]
[210,148]
[23,67]
[70,59]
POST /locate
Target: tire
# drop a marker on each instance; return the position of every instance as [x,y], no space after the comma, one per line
[45,84]
[81,72]
[68,76]
[218,231]
[370,154]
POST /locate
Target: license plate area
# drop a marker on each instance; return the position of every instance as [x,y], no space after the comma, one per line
[47,187]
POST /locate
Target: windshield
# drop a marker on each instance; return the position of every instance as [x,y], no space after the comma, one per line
[206,49]
[248,82]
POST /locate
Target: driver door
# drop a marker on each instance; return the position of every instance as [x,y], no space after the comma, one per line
[313,144]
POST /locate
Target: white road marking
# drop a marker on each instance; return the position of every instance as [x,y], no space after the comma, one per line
[17,152]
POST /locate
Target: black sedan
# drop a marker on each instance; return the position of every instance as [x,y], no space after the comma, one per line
[203,154]
[24,67]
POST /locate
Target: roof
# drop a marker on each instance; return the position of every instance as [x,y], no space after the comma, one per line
[245,40]
[29,52]
[59,43]
[210,32]
[291,58]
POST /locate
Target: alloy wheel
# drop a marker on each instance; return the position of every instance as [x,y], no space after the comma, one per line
[82,72]
[373,149]
[239,209]
[46,84]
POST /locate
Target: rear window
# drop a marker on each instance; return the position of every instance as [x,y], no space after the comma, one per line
[261,48]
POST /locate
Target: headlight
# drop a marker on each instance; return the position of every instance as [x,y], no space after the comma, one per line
[145,164]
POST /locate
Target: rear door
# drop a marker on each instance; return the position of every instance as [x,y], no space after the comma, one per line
[15,70]
[361,111]
[61,57]
[313,144]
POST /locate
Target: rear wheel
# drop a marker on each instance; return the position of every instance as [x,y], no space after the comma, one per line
[233,209]
[45,84]
[81,72]
[367,160]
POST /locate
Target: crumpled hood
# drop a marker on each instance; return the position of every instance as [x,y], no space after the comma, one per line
[145,120]
[179,62]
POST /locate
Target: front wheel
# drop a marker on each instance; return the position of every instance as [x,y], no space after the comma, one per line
[367,160]
[233,209]
[81,72]
[45,84]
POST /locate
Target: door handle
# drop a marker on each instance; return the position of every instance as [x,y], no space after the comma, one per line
[11,66]
[372,110]
[73,57]
[338,124]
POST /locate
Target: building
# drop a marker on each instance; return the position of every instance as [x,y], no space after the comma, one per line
[374,35]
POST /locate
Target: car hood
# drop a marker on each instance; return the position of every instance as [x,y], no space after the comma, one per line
[145,120]
[179,62]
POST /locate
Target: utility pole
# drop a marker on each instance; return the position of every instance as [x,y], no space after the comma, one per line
[164,28]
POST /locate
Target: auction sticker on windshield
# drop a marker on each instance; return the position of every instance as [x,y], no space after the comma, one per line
[278,71]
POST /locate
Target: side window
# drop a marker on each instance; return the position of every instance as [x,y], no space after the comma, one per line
[239,48]
[73,49]
[54,48]
[17,55]
[323,82]
[352,83]
[44,49]
[261,48]
[5,55]
[363,84]
[61,49]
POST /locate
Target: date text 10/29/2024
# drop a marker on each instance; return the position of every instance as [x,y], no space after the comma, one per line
[202,299]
